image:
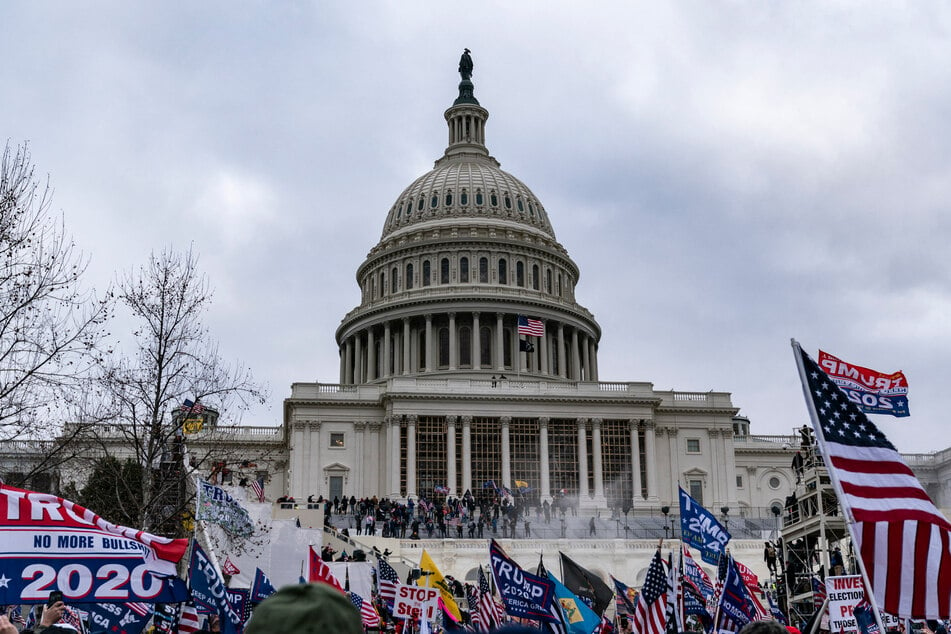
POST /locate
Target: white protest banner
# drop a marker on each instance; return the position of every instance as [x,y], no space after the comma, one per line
[415,601]
[844,594]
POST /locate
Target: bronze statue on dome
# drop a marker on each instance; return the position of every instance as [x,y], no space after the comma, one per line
[465,65]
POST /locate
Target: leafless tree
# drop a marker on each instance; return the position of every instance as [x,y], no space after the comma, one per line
[50,328]
[173,360]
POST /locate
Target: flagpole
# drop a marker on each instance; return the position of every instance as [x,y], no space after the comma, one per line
[836,484]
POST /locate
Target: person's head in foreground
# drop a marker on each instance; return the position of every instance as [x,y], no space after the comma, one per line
[764,627]
[312,608]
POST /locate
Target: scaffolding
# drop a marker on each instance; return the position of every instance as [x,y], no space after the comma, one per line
[815,538]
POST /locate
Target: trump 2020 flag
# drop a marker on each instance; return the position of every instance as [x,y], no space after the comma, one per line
[48,543]
[262,587]
[903,540]
[209,592]
[524,595]
[214,504]
[700,529]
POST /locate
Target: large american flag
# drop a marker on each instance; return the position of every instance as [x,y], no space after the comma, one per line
[819,593]
[651,610]
[258,487]
[188,620]
[368,613]
[387,580]
[903,540]
[530,327]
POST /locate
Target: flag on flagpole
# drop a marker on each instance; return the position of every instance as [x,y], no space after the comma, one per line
[188,620]
[735,608]
[488,609]
[435,579]
[229,568]
[651,610]
[556,624]
[387,580]
[588,586]
[903,540]
[262,587]
[320,572]
[625,598]
[367,612]
[258,487]
[530,327]
[818,593]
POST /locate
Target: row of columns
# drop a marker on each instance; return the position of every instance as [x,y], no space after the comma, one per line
[577,358]
[393,483]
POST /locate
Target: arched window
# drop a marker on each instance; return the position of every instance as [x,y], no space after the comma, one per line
[419,205]
[409,207]
[448,198]
[427,272]
[508,201]
[394,280]
[464,270]
[409,276]
[399,211]
[559,285]
[503,271]
[382,283]
[373,288]
[464,197]
[507,348]
[444,271]
[443,347]
[434,200]
[548,281]
[493,199]
[483,270]
[465,347]
[485,346]
[520,273]
[535,281]
[479,200]
[521,207]
[531,209]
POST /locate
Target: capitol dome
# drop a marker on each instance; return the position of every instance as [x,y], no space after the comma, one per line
[466,249]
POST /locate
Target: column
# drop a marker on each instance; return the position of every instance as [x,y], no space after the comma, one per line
[411,456]
[451,454]
[371,355]
[562,365]
[429,344]
[476,345]
[583,459]
[516,349]
[650,450]
[342,353]
[348,364]
[729,449]
[585,366]
[387,350]
[543,450]
[717,462]
[636,459]
[575,358]
[593,359]
[598,470]
[505,421]
[406,338]
[499,349]
[674,449]
[359,473]
[393,435]
[358,358]
[453,343]
[466,453]
[543,351]
[375,464]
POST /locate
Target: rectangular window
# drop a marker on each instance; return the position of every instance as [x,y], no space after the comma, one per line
[336,440]
[693,445]
[696,490]
[739,482]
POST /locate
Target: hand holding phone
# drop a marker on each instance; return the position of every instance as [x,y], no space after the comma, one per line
[55,597]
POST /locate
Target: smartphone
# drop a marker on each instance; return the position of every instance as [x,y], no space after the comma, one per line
[55,596]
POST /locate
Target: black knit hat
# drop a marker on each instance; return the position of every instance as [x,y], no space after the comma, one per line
[313,608]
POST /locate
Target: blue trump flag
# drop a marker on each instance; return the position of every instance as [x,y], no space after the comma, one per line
[525,595]
[700,529]
[209,592]
[577,616]
[262,587]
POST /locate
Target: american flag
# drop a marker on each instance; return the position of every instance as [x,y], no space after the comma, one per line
[735,607]
[387,581]
[696,576]
[554,608]
[142,609]
[530,327]
[258,487]
[72,617]
[472,600]
[488,608]
[650,614]
[903,540]
[367,612]
[188,620]
[818,593]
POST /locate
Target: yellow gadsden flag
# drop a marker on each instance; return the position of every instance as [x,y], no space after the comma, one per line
[432,578]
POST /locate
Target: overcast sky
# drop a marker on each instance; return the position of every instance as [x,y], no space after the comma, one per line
[727,176]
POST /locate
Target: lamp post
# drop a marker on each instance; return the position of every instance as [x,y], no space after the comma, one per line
[726,517]
[666,511]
